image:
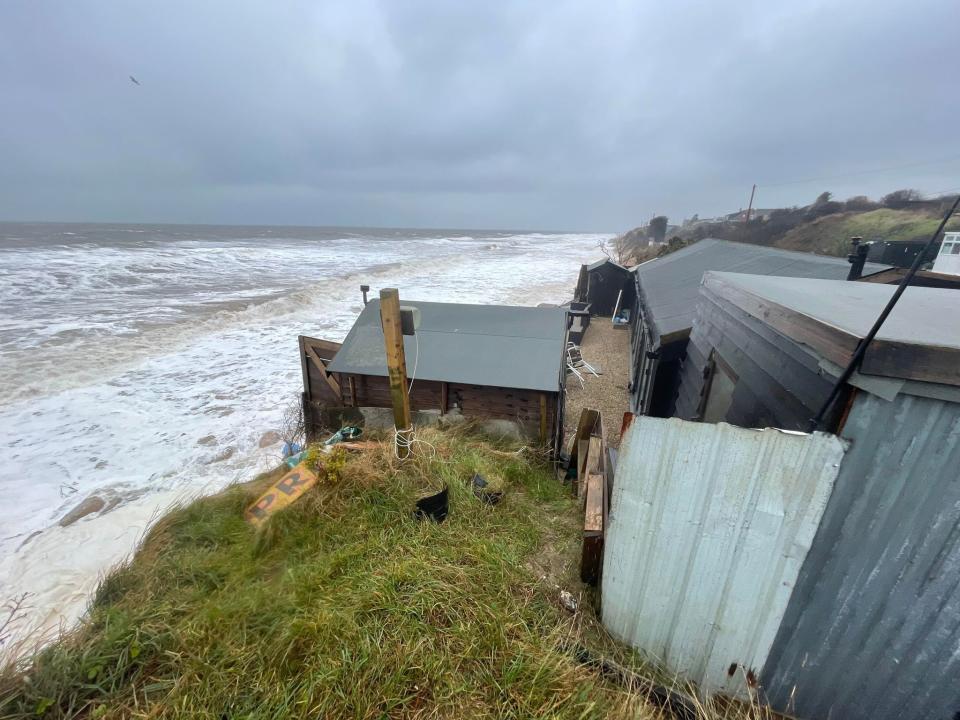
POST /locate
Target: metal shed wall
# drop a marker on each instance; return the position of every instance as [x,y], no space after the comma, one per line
[873,627]
[709,525]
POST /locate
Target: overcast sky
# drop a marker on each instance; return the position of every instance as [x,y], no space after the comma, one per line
[546,115]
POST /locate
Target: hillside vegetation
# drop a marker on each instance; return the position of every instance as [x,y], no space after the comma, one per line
[344,606]
[830,235]
[825,226]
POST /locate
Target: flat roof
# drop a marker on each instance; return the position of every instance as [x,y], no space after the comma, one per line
[920,340]
[670,285]
[492,345]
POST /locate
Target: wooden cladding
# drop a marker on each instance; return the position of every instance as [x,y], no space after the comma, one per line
[530,407]
[540,412]
[319,385]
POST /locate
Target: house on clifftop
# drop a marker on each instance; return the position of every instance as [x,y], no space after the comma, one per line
[496,363]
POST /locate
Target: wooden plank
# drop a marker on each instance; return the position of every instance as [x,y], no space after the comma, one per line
[584,449]
[591,452]
[353,391]
[303,366]
[318,362]
[588,418]
[396,361]
[595,455]
[927,363]
[591,558]
[282,493]
[543,418]
[593,514]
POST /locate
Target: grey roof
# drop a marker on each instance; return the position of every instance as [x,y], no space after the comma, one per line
[923,319]
[922,316]
[498,345]
[605,261]
[669,286]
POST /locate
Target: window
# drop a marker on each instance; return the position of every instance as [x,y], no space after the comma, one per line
[719,385]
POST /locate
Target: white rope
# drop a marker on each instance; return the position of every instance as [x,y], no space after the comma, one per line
[416,359]
[408,440]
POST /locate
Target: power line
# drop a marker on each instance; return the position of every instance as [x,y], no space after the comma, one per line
[860,172]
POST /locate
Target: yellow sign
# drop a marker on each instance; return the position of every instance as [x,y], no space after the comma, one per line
[282,493]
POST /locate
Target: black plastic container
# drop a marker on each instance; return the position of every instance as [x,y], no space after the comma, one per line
[434,507]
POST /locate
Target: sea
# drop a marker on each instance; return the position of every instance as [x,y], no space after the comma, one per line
[145,365]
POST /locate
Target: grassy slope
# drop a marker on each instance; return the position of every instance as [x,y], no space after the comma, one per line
[830,235]
[343,607]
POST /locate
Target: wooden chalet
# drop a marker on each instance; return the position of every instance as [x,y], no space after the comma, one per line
[504,363]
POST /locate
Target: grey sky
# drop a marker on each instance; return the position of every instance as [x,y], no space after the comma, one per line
[553,114]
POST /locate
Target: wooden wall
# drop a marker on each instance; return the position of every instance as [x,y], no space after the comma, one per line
[480,401]
[779,383]
[603,286]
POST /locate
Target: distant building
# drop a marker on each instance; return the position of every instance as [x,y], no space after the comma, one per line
[948,259]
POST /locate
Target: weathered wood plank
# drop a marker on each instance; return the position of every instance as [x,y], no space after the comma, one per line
[543,418]
[591,558]
[321,367]
[593,515]
[588,418]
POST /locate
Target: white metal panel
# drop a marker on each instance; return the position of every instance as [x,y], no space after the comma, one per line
[709,525]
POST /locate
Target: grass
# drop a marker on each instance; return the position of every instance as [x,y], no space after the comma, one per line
[830,235]
[343,606]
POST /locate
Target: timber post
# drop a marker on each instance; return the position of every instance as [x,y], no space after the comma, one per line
[396,366]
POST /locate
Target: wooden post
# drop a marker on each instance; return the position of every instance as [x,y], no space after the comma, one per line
[444,398]
[396,362]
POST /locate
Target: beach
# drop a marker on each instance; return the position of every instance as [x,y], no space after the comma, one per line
[145,365]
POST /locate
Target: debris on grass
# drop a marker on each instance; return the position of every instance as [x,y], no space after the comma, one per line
[342,605]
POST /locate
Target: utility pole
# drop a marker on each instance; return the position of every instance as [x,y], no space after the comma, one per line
[750,206]
[396,367]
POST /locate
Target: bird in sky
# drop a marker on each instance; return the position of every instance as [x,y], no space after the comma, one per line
[134,80]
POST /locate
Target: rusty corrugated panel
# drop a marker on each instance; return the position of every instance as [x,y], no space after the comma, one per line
[873,627]
[709,526]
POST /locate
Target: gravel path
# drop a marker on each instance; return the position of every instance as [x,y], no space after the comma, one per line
[608,349]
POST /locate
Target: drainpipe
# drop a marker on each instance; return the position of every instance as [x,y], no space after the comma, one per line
[364,289]
[858,258]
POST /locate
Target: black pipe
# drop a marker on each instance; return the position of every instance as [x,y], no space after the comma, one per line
[861,350]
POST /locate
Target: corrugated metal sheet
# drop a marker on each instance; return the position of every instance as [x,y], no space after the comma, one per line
[873,627]
[709,527]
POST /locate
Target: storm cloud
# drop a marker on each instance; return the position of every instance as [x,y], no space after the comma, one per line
[545,115]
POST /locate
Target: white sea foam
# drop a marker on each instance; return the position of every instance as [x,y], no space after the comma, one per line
[146,364]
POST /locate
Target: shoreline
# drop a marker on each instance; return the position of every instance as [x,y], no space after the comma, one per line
[182,422]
